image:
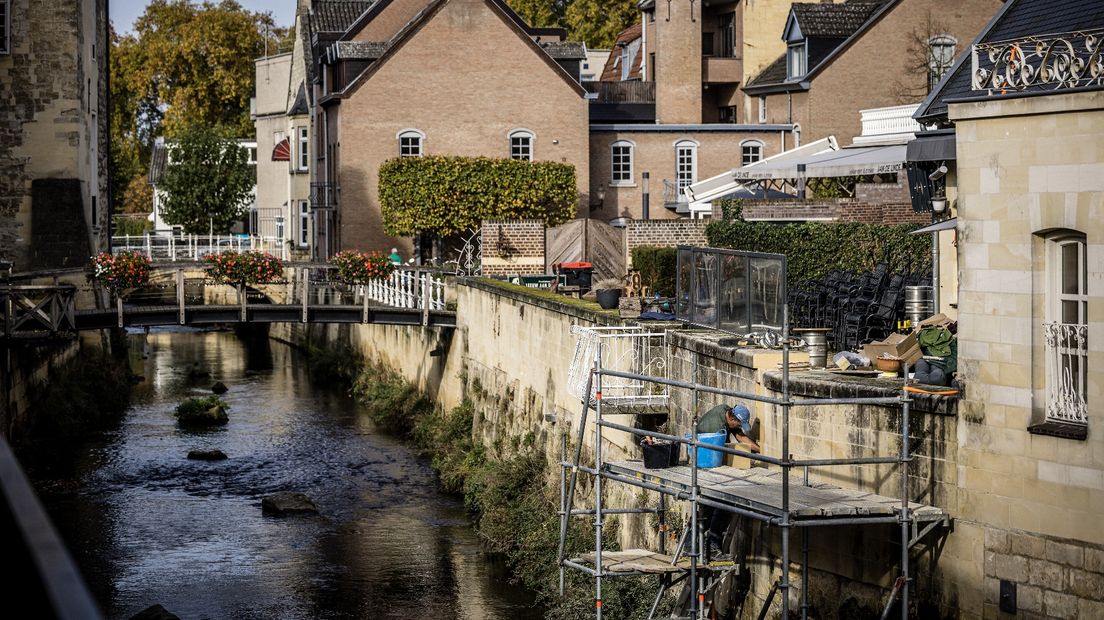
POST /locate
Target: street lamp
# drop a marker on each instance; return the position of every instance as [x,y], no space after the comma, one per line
[645,182]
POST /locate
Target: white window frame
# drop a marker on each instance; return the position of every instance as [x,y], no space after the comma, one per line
[304,223]
[304,148]
[523,152]
[5,27]
[1065,340]
[686,164]
[628,172]
[762,108]
[280,228]
[797,60]
[750,144]
[938,67]
[416,148]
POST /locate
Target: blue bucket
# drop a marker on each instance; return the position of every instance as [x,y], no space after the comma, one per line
[710,458]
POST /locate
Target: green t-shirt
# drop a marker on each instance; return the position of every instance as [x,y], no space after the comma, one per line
[714,420]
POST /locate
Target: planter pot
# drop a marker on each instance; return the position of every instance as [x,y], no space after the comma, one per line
[608,298]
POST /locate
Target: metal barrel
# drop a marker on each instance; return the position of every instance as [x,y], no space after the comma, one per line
[918,303]
[817,342]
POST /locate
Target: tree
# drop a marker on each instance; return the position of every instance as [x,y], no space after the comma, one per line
[598,22]
[138,197]
[541,13]
[186,63]
[208,183]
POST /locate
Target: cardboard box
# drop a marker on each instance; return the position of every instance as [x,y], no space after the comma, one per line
[739,462]
[905,347]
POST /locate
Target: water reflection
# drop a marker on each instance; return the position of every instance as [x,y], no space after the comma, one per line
[149,526]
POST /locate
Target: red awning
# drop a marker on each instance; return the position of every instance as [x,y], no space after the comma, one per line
[282,152]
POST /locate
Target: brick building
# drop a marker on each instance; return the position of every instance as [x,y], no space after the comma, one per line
[53,132]
[845,57]
[445,77]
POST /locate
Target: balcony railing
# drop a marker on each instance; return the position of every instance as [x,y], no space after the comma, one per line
[323,195]
[1067,354]
[1045,62]
[622,92]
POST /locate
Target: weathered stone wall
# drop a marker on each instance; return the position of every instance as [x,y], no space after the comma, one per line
[25,368]
[52,125]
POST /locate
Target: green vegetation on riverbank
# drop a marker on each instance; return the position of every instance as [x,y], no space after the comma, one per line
[514,507]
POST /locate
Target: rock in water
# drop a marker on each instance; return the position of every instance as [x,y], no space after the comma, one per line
[156,612]
[219,387]
[207,455]
[288,503]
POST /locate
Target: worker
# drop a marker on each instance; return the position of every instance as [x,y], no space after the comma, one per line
[734,419]
[395,258]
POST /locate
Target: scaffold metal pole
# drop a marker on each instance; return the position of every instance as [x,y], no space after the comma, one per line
[598,487]
[563,503]
[905,519]
[784,585]
[575,466]
[695,544]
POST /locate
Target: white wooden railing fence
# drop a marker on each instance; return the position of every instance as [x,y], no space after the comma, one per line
[195,247]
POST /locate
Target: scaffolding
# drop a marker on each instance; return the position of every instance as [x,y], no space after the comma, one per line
[778,497]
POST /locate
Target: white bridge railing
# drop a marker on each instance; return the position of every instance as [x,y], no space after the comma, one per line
[195,247]
[406,288]
[1067,354]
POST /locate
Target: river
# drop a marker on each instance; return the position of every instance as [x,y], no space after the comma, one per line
[147,525]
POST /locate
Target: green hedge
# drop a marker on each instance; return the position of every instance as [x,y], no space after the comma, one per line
[813,249]
[657,268]
[448,195]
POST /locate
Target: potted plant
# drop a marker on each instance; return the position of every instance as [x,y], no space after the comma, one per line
[122,272]
[608,292]
[242,268]
[355,267]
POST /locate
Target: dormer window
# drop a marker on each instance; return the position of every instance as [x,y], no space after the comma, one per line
[796,60]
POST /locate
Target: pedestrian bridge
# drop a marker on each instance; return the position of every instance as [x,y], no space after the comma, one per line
[49,305]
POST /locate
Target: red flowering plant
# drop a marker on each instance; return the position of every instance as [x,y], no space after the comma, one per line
[122,271]
[355,267]
[251,267]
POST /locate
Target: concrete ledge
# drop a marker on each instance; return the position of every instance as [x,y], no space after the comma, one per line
[715,344]
[585,310]
[824,384]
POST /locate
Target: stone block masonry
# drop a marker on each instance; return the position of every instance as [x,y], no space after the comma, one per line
[514,247]
[1055,578]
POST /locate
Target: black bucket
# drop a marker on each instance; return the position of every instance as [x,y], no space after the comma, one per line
[661,454]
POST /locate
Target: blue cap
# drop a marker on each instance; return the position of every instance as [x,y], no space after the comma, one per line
[742,414]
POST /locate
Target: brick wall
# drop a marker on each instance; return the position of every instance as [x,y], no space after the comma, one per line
[513,247]
[663,233]
[836,210]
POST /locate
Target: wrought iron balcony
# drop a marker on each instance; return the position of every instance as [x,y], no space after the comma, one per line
[1045,62]
[1067,354]
[323,195]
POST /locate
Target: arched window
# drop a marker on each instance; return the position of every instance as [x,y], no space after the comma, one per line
[1066,328]
[686,163]
[751,151]
[941,53]
[621,162]
[410,143]
[521,144]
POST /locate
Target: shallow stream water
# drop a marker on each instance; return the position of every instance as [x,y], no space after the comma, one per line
[147,525]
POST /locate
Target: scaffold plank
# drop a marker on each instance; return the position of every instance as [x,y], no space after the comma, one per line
[760,490]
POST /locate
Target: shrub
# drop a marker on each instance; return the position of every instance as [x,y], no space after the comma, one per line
[657,268]
[355,267]
[121,271]
[448,195]
[251,267]
[813,249]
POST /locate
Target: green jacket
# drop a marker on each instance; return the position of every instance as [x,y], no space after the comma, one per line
[714,420]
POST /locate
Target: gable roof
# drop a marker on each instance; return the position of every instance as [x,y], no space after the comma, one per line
[379,5]
[337,15]
[422,18]
[359,50]
[1017,19]
[832,21]
[611,72]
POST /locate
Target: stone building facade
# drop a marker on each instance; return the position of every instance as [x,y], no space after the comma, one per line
[53,133]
